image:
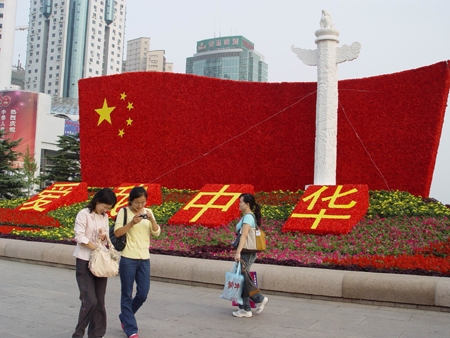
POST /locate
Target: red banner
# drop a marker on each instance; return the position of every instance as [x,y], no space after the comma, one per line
[213,206]
[327,210]
[198,130]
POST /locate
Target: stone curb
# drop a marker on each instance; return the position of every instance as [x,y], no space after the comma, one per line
[364,287]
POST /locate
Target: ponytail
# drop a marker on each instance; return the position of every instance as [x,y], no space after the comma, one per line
[257,213]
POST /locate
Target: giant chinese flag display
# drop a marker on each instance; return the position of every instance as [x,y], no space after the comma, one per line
[185,131]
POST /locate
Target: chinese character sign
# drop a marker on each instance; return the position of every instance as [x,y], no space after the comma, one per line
[122,192]
[213,206]
[56,196]
[329,209]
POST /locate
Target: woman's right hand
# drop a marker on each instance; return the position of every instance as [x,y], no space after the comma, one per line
[136,219]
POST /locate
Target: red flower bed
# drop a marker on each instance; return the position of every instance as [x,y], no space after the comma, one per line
[29,219]
[56,196]
[122,192]
[198,135]
[402,262]
[6,229]
[329,209]
[213,206]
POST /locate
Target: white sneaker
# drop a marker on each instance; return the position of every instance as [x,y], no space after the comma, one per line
[260,306]
[242,313]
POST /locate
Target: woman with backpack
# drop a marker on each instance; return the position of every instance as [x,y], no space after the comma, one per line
[135,260]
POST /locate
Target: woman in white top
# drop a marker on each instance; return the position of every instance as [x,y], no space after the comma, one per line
[251,216]
[92,224]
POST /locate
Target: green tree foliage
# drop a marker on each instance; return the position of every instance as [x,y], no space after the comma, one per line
[29,170]
[11,182]
[66,163]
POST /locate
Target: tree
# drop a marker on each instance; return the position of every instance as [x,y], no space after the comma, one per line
[11,183]
[29,170]
[65,165]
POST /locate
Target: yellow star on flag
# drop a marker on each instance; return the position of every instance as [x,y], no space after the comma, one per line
[129,121]
[130,106]
[123,96]
[121,132]
[105,113]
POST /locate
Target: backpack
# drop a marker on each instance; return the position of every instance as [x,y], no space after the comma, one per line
[119,243]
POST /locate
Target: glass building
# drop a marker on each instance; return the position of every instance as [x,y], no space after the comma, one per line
[230,58]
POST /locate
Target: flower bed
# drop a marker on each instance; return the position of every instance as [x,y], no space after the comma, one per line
[390,238]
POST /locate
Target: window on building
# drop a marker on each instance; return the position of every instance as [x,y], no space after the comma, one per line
[50,68]
[49,92]
[49,83]
[2,5]
[1,15]
[50,76]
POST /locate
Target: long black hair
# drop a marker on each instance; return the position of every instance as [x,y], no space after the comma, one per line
[106,196]
[254,207]
[137,192]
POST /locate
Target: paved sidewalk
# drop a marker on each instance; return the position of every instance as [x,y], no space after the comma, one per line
[42,301]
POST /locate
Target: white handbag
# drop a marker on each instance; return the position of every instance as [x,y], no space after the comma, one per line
[104,262]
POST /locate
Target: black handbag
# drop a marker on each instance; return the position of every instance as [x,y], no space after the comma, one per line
[119,243]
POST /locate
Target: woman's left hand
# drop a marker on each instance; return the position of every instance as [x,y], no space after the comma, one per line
[149,215]
[237,257]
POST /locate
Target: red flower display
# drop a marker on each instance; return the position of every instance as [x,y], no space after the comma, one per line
[259,133]
[6,229]
[401,262]
[30,219]
[56,196]
[122,192]
[213,206]
[329,209]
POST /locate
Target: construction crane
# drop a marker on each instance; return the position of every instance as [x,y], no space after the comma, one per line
[21,28]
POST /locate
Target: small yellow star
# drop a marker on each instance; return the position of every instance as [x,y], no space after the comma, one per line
[123,96]
[129,121]
[121,132]
[105,113]
[130,106]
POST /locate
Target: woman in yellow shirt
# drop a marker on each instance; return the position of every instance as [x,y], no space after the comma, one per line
[135,261]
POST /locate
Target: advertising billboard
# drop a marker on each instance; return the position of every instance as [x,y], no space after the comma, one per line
[18,113]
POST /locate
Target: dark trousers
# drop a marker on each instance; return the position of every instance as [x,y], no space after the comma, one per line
[133,270]
[92,296]
[248,259]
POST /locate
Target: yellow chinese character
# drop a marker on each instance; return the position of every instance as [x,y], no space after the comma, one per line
[320,216]
[234,196]
[122,198]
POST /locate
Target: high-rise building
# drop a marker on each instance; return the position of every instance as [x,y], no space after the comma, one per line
[7,29]
[229,57]
[141,59]
[69,40]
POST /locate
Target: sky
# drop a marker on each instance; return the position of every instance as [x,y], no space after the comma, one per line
[395,35]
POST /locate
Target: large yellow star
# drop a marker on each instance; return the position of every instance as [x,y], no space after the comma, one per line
[105,113]
[121,132]
[130,106]
[129,121]
[123,96]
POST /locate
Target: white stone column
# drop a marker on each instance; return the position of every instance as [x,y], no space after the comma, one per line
[326,57]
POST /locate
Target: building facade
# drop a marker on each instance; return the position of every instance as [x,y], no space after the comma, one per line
[141,59]
[230,57]
[73,39]
[7,30]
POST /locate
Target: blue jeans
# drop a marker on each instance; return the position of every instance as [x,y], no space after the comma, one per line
[133,270]
[249,258]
